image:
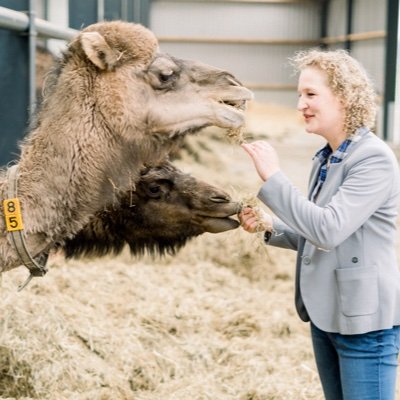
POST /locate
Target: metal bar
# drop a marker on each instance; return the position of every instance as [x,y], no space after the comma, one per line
[137,11]
[270,86]
[354,37]
[145,12]
[13,20]
[324,22]
[396,117]
[349,24]
[100,10]
[390,65]
[32,57]
[46,9]
[124,10]
[237,40]
[18,21]
[47,29]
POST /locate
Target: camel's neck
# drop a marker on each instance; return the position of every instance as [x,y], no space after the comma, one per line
[71,179]
[62,184]
[73,164]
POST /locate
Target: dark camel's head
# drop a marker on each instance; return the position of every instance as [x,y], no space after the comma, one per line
[167,208]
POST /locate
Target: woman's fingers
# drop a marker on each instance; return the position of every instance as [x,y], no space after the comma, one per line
[264,157]
[249,222]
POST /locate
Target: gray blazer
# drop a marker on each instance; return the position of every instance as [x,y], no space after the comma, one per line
[347,277]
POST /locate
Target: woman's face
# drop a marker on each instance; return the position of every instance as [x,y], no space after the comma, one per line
[321,108]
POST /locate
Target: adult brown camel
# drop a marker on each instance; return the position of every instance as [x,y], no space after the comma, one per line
[113,103]
[166,208]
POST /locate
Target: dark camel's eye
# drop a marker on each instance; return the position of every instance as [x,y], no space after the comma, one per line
[157,188]
[154,189]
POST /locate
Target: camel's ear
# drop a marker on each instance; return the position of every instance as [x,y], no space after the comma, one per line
[98,51]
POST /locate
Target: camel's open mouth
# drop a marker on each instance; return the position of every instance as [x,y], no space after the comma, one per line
[233,221]
[217,225]
[238,104]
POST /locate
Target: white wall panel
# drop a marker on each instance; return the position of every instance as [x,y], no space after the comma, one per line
[286,98]
[369,15]
[250,63]
[248,20]
[336,18]
[266,63]
[371,54]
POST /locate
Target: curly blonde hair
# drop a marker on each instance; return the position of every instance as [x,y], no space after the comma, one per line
[348,80]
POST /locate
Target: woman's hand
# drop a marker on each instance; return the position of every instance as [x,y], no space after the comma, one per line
[255,220]
[264,157]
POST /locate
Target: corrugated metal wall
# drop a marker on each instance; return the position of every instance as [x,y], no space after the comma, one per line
[255,64]
[235,19]
[255,38]
[336,18]
[278,30]
[368,16]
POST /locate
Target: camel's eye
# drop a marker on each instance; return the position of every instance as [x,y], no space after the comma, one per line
[155,189]
[166,77]
[163,73]
[158,189]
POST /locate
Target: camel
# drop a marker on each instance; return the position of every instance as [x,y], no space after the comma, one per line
[113,102]
[165,209]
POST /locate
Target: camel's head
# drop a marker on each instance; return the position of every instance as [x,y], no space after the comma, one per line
[188,95]
[172,203]
[139,92]
[166,209]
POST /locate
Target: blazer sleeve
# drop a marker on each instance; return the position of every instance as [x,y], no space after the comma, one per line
[367,184]
[283,236]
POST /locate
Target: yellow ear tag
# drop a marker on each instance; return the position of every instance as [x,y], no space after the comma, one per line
[12,214]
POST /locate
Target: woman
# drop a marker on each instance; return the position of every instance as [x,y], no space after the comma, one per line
[347,278]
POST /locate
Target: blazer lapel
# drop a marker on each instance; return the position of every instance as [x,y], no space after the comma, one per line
[313,177]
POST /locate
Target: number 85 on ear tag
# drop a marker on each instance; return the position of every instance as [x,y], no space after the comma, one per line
[12,214]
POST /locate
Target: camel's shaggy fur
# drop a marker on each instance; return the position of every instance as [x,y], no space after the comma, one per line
[112,103]
[165,209]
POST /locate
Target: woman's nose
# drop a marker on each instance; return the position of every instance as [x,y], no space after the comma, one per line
[301,104]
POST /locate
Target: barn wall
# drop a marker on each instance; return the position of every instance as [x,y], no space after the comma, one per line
[251,38]
[368,16]
[255,64]
[336,18]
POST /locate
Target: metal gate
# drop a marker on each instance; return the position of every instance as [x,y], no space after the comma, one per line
[19,32]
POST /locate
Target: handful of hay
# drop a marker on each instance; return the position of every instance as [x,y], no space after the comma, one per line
[252,202]
[236,135]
